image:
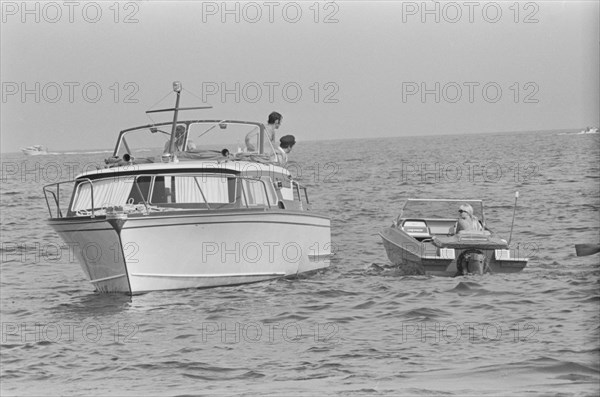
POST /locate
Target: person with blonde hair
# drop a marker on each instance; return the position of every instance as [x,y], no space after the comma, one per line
[467,222]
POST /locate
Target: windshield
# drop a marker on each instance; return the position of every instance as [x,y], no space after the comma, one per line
[439,209]
[192,137]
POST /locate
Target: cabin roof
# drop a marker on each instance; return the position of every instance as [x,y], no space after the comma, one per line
[235,167]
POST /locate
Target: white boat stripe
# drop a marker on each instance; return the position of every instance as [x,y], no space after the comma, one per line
[207,275]
[107,278]
[126,227]
[321,255]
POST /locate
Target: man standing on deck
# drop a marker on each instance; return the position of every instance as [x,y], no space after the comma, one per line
[274,122]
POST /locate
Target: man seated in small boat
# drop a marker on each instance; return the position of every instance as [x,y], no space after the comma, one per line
[286,143]
[273,123]
[179,139]
[467,222]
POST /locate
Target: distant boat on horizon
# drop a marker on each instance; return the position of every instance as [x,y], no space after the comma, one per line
[589,130]
[586,131]
[35,150]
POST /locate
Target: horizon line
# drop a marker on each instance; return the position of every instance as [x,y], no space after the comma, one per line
[371,137]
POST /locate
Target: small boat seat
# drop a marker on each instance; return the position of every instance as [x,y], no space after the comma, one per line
[416,228]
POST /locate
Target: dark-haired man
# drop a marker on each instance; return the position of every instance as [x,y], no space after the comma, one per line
[273,123]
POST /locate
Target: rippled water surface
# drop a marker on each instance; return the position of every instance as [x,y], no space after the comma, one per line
[360,328]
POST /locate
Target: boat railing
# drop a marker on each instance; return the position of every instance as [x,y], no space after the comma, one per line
[298,188]
[138,142]
[264,186]
[52,194]
[55,195]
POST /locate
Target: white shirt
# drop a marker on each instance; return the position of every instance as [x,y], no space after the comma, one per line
[282,157]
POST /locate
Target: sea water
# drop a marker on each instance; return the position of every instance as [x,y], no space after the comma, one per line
[362,327]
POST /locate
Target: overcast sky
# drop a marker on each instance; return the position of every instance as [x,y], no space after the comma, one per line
[74,74]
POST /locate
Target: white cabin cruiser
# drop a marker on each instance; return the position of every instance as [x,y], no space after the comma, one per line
[159,217]
[35,150]
[588,130]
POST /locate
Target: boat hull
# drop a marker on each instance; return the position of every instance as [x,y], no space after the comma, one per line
[170,251]
[423,257]
[95,244]
[34,152]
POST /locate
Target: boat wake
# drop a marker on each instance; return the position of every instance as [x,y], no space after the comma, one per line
[90,152]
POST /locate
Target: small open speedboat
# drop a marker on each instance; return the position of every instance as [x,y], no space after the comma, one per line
[423,240]
[35,150]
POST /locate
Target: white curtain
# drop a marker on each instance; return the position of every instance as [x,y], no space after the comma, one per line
[107,192]
[255,194]
[215,189]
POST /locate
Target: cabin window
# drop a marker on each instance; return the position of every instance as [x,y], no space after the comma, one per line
[107,192]
[198,189]
[140,190]
[258,192]
[158,190]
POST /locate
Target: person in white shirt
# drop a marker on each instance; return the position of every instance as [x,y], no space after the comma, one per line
[286,143]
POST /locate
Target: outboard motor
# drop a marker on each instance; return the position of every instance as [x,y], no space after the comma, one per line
[475,263]
[471,261]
